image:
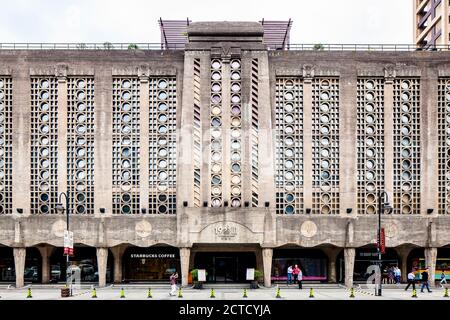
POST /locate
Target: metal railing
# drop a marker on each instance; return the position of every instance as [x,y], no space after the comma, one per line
[181,46]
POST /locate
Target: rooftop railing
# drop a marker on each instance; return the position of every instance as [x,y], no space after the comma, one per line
[181,46]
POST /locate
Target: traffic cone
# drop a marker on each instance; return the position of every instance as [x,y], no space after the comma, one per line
[212,295]
[122,293]
[245,294]
[352,292]
[278,293]
[149,293]
[180,294]
[446,293]
[414,294]
[94,293]
[311,293]
[29,293]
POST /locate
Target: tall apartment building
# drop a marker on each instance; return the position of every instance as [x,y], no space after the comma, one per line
[432,23]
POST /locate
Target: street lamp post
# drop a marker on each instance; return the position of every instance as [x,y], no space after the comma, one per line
[383,205]
[60,208]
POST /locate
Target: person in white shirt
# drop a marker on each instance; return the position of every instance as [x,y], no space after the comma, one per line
[289,275]
[411,280]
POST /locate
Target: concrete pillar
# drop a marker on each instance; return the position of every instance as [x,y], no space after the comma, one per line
[19,265]
[46,253]
[184,261]
[102,261]
[332,254]
[388,134]
[349,262]
[117,254]
[307,141]
[430,261]
[267,254]
[143,151]
[403,253]
[62,132]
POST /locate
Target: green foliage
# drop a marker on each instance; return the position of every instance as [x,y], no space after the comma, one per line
[194,273]
[258,274]
[318,47]
[133,46]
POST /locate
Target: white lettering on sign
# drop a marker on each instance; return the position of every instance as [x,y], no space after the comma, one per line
[152,255]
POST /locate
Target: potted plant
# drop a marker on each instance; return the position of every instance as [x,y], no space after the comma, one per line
[258,278]
[197,284]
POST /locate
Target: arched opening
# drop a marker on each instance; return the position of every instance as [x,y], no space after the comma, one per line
[7,268]
[156,263]
[85,258]
[312,262]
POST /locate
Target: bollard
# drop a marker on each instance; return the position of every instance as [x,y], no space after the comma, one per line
[180,294]
[29,293]
[212,295]
[446,293]
[122,293]
[94,293]
[311,293]
[414,294]
[278,293]
[149,293]
[245,294]
[352,292]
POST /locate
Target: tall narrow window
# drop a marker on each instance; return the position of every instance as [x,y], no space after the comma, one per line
[254,141]
[406,146]
[289,145]
[236,133]
[325,145]
[197,136]
[44,145]
[80,144]
[162,145]
[370,143]
[126,145]
[5,145]
[444,145]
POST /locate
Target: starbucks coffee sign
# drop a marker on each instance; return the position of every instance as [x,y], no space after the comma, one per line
[225,231]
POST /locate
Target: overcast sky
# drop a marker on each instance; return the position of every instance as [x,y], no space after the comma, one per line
[132,21]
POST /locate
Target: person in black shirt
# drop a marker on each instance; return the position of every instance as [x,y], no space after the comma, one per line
[425,276]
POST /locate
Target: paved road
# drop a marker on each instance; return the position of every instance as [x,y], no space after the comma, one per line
[113,293]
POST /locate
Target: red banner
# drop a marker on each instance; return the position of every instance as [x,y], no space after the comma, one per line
[382,244]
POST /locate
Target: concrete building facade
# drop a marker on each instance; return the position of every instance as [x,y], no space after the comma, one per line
[222,156]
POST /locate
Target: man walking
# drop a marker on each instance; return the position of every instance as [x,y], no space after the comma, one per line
[289,275]
[300,278]
[425,279]
[411,280]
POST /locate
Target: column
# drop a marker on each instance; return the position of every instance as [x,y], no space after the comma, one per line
[19,265]
[117,254]
[403,253]
[267,254]
[102,261]
[349,262]
[389,133]
[430,261]
[332,254]
[184,261]
[307,139]
[62,131]
[46,252]
[144,154]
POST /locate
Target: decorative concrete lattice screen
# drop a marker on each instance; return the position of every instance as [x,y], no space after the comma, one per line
[254,133]
[370,143]
[44,145]
[197,136]
[236,133]
[444,145]
[216,160]
[162,145]
[126,145]
[325,145]
[80,144]
[5,145]
[289,145]
[406,146]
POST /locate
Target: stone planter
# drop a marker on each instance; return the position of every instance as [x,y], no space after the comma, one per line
[65,292]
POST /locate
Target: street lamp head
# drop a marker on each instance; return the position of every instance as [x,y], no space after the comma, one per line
[60,208]
[387,207]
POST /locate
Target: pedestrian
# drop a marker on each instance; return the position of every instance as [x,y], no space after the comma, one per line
[173,284]
[295,272]
[443,280]
[425,279]
[289,275]
[300,278]
[398,275]
[411,280]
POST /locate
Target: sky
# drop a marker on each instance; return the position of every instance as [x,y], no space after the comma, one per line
[136,21]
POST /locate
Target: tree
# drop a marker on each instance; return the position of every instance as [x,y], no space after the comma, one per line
[133,46]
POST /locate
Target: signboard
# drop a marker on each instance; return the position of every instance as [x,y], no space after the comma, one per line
[201,275]
[382,243]
[68,243]
[250,274]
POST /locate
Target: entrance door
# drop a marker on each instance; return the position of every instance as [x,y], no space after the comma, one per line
[226,269]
